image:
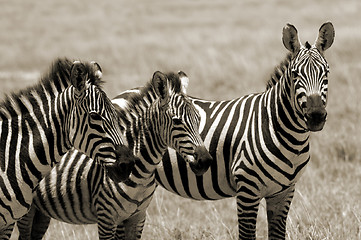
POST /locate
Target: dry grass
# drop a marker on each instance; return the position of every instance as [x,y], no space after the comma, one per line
[228,48]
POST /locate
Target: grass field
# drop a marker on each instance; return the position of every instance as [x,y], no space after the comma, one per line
[228,49]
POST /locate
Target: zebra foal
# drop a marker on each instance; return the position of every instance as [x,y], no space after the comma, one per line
[155,117]
[260,142]
[38,125]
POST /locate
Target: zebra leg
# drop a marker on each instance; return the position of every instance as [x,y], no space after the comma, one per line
[120,234]
[25,224]
[40,225]
[5,233]
[277,211]
[247,210]
[133,226]
[106,227]
[33,225]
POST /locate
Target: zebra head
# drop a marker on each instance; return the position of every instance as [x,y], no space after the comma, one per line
[181,120]
[94,124]
[308,73]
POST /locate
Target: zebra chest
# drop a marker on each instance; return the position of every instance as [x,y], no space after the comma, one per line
[265,176]
[127,199]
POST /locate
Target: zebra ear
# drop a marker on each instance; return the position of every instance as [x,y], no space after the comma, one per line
[325,38]
[97,70]
[78,75]
[290,38]
[184,81]
[160,84]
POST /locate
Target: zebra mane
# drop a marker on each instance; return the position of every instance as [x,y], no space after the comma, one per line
[174,80]
[56,80]
[279,71]
[59,75]
[148,92]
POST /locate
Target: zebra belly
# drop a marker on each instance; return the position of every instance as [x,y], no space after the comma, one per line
[65,193]
[177,177]
[216,183]
[71,215]
[76,198]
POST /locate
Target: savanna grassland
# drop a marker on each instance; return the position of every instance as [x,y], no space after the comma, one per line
[228,49]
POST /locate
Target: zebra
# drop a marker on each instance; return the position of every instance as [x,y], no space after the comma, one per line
[157,116]
[260,142]
[39,124]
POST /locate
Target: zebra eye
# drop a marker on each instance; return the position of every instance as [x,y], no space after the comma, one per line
[294,74]
[94,116]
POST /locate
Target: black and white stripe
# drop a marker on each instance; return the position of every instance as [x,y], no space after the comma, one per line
[38,125]
[260,142]
[155,117]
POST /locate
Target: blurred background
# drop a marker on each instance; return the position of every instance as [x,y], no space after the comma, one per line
[228,49]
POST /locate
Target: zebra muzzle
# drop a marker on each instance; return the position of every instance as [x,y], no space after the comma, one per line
[202,161]
[121,169]
[316,120]
[315,113]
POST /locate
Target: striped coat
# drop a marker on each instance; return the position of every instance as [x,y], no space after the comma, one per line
[260,142]
[67,108]
[156,117]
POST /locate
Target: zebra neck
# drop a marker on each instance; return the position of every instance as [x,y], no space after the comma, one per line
[288,128]
[32,133]
[143,136]
[154,139]
[286,103]
[63,108]
[144,132]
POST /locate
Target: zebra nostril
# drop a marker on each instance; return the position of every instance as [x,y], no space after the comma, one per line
[324,116]
[316,116]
